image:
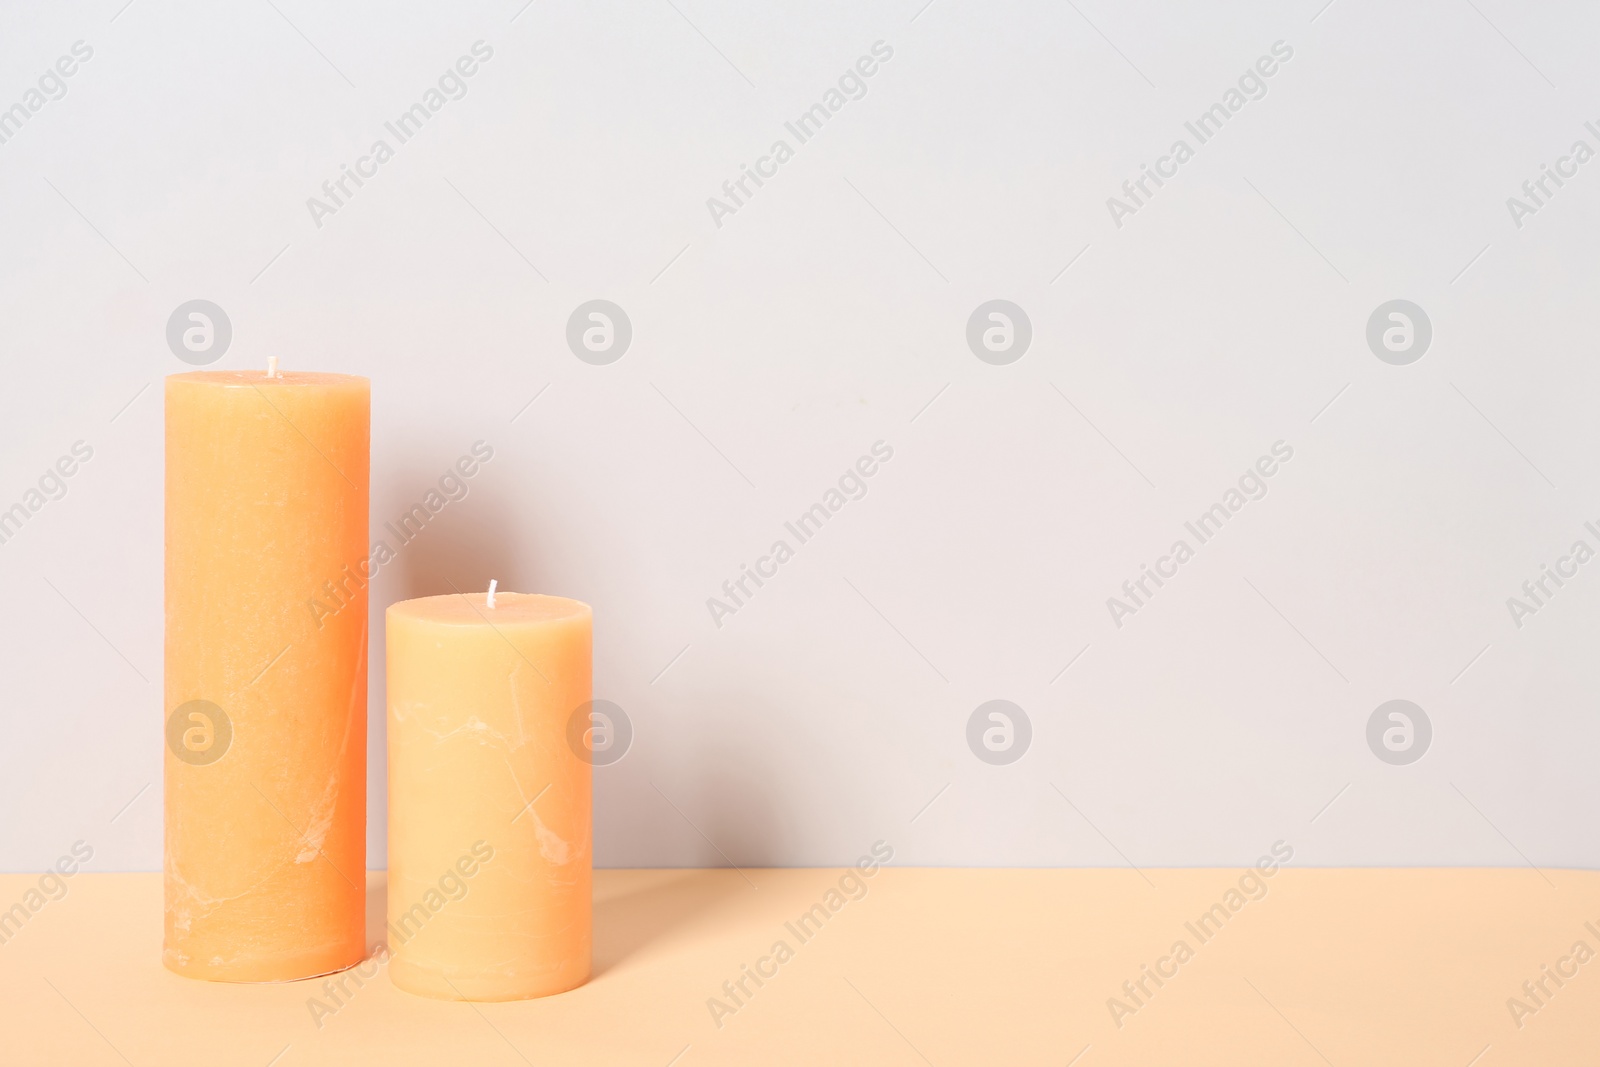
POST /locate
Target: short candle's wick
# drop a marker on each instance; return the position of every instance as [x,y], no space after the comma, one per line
[272,366]
[492,584]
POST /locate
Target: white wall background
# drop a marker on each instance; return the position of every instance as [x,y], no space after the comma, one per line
[829,313]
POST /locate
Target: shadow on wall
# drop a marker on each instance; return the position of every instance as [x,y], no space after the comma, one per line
[459,548]
[691,790]
[726,819]
[733,790]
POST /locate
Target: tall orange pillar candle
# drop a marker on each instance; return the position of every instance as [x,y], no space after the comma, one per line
[489,795]
[266,674]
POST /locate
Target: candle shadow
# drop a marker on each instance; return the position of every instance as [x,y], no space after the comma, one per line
[734,803]
[634,908]
[377,908]
[735,830]
[458,550]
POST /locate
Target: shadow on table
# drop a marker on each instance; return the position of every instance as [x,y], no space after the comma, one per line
[653,905]
[726,815]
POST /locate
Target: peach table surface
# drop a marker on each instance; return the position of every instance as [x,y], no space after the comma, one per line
[1313,967]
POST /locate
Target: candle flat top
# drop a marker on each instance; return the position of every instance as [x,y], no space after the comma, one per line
[240,379]
[472,609]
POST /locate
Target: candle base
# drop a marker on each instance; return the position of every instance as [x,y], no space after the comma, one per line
[291,968]
[443,985]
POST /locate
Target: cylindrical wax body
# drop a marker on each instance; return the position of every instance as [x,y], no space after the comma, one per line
[489,795]
[266,674]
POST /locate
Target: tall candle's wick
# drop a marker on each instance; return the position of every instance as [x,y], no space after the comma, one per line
[272,366]
[492,584]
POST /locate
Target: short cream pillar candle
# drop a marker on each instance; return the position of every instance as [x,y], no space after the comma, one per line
[489,799]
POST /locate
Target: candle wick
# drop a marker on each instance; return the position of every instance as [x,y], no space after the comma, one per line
[272,366]
[492,584]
